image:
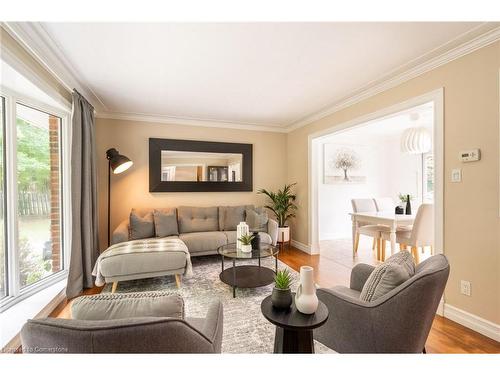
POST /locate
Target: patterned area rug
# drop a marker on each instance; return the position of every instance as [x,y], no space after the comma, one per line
[245,328]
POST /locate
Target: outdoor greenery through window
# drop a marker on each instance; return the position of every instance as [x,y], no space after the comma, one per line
[38,194]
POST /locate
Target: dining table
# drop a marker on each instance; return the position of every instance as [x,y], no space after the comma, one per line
[386,218]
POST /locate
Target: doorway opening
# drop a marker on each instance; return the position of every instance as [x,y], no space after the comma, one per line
[389,154]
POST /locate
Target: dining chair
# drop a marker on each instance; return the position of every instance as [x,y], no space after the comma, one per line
[384,204]
[420,235]
[366,205]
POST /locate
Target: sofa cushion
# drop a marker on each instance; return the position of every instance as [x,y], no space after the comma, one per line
[264,237]
[128,305]
[257,219]
[231,216]
[203,241]
[387,276]
[198,219]
[166,222]
[141,226]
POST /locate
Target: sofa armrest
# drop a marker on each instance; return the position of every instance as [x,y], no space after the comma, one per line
[359,275]
[272,230]
[120,234]
[212,327]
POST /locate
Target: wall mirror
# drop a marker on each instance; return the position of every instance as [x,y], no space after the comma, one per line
[181,165]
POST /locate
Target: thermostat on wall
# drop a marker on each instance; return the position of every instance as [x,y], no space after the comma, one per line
[470,155]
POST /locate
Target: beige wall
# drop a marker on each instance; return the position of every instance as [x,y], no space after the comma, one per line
[131,188]
[471,222]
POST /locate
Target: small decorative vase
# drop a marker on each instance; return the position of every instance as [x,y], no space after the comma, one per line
[408,205]
[400,210]
[306,299]
[281,298]
[241,230]
[256,240]
[246,248]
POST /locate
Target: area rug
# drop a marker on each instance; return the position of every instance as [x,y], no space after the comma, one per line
[245,328]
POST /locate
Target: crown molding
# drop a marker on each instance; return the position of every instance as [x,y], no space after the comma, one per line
[483,36]
[33,37]
[171,120]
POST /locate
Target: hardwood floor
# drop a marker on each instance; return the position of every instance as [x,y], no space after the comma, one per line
[333,267]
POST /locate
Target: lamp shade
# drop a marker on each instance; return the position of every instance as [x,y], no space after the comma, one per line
[118,163]
[416,141]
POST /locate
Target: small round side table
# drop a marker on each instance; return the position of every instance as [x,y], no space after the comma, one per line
[294,330]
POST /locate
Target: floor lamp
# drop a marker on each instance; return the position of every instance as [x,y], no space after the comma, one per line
[117,163]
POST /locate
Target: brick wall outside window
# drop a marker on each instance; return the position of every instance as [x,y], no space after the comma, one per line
[55,193]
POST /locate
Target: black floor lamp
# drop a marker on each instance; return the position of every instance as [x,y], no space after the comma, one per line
[118,164]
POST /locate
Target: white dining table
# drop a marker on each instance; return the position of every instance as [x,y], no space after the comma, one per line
[387,218]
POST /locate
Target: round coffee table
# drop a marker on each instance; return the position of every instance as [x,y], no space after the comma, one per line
[294,330]
[247,276]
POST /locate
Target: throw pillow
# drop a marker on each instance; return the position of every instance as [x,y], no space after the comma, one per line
[230,217]
[165,223]
[128,305]
[387,276]
[141,227]
[257,219]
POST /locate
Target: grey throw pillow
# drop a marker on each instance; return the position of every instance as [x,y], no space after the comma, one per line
[166,223]
[387,276]
[141,226]
[230,217]
[257,219]
[108,306]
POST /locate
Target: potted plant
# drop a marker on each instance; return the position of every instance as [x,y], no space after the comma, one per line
[281,297]
[406,198]
[283,206]
[246,242]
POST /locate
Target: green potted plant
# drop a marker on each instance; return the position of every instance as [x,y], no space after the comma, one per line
[283,206]
[246,242]
[281,298]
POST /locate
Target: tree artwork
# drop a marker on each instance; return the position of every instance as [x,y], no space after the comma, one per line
[346,160]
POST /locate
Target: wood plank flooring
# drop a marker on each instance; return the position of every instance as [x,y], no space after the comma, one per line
[333,267]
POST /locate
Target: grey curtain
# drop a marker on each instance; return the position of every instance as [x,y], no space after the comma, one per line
[84,240]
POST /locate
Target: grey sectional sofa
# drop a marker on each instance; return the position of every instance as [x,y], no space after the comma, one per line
[205,229]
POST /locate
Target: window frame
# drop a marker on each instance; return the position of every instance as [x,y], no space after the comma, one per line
[14,293]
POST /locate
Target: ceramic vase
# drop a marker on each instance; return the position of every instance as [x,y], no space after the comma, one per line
[306,300]
[241,230]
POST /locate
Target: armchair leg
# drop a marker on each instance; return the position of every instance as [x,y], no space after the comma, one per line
[383,250]
[115,285]
[402,246]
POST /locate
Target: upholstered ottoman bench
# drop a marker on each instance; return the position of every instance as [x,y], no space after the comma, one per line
[141,259]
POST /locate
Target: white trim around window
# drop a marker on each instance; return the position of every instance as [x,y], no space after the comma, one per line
[14,292]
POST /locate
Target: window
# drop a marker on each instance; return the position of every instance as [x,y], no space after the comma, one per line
[32,144]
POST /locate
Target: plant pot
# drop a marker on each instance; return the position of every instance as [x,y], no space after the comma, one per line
[246,248]
[281,298]
[283,234]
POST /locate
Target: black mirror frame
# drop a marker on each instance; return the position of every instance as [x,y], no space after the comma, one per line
[156,145]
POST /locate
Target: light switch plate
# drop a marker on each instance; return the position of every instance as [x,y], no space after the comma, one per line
[465,287]
[456,175]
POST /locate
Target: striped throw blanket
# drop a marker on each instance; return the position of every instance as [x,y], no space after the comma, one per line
[142,246]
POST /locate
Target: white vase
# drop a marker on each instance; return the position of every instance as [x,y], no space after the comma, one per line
[306,300]
[246,248]
[241,230]
[283,234]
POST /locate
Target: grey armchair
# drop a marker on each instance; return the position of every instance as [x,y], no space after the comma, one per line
[398,322]
[133,334]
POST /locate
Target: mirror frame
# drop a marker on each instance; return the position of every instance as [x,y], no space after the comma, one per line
[157,145]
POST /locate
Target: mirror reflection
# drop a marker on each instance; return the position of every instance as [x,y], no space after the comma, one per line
[201,166]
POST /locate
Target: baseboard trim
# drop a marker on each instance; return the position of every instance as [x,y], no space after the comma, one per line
[474,322]
[301,246]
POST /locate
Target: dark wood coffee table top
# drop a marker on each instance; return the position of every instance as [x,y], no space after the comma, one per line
[293,319]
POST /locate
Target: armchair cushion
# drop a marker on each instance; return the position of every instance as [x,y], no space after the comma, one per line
[127,305]
[387,276]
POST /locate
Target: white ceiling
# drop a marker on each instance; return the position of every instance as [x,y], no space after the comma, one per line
[271,74]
